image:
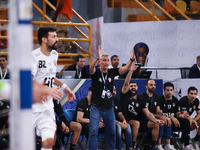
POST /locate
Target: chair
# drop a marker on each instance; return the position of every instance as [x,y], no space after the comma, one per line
[194,7]
[185,72]
[181,5]
[169,8]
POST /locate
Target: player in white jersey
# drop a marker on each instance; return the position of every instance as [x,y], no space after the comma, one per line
[44,71]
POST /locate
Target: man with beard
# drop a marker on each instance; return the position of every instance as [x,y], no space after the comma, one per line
[170,107]
[135,110]
[121,125]
[43,71]
[189,104]
[152,101]
[102,98]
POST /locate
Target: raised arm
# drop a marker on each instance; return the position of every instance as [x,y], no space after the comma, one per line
[125,68]
[125,87]
[94,63]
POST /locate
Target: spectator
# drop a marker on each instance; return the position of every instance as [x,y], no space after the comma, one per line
[83,114]
[67,126]
[152,101]
[170,107]
[79,67]
[135,111]
[43,71]
[102,89]
[121,125]
[5,73]
[189,104]
[114,61]
[195,69]
[63,13]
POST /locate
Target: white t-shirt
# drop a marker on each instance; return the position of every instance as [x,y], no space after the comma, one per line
[44,69]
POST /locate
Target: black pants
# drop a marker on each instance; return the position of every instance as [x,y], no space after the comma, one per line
[185,128]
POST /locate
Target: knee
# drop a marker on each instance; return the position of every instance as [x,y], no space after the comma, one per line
[78,126]
[136,124]
[48,143]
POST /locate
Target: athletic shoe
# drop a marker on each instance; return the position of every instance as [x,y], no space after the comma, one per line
[180,144]
[169,147]
[195,144]
[188,147]
[160,147]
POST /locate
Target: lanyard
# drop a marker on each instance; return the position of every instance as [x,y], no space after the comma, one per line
[3,76]
[78,73]
[104,79]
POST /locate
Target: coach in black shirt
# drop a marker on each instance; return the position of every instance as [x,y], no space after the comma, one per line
[102,106]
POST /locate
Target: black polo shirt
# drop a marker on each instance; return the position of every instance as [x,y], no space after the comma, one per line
[169,107]
[189,107]
[83,107]
[98,87]
[151,103]
[133,110]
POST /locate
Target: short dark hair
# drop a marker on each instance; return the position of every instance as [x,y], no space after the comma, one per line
[113,56]
[192,88]
[4,56]
[146,83]
[89,89]
[79,56]
[133,82]
[44,32]
[168,84]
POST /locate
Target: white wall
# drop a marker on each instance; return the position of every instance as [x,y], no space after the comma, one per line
[171,43]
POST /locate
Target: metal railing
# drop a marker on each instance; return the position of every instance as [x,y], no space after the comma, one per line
[48,21]
[154,4]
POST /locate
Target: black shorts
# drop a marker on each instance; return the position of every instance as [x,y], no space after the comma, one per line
[143,125]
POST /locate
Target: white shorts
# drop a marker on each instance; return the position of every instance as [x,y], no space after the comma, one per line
[45,122]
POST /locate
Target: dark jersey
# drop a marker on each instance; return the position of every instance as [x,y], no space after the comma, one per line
[98,85]
[83,107]
[169,107]
[151,103]
[117,108]
[132,108]
[189,107]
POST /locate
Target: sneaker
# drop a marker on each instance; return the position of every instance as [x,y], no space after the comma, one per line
[169,147]
[180,144]
[155,147]
[160,147]
[195,144]
[188,147]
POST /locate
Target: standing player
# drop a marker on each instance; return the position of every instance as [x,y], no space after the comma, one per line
[43,71]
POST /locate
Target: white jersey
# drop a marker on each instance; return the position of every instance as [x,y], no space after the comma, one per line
[44,71]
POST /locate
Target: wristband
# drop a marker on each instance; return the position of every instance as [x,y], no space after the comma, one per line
[132,59]
[63,86]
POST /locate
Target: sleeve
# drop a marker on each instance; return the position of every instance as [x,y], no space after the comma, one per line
[198,106]
[182,105]
[115,71]
[81,107]
[34,65]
